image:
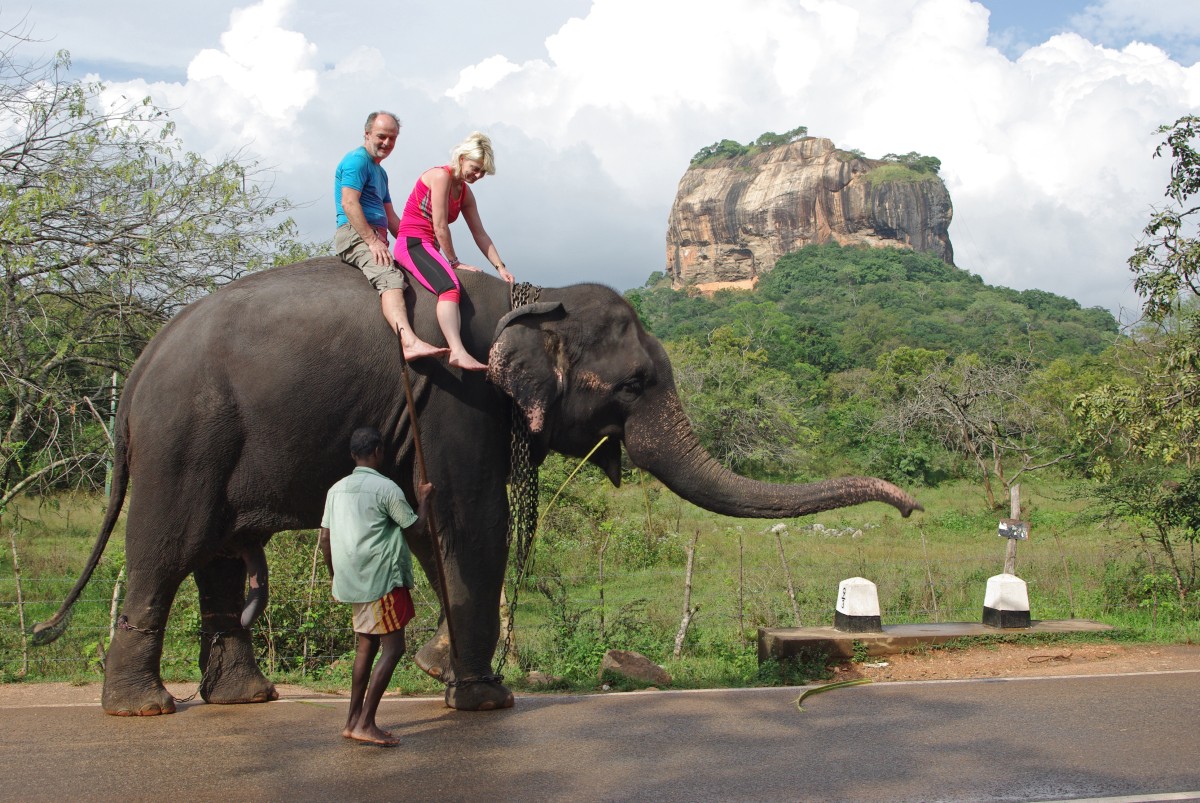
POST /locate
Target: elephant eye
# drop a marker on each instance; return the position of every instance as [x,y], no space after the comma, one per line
[631,388]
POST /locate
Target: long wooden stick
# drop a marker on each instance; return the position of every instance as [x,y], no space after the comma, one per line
[443,590]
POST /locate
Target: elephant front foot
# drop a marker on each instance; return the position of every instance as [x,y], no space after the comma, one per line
[132,685]
[148,699]
[230,672]
[484,694]
[434,658]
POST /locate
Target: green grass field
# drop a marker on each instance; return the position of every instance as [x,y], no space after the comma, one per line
[609,572]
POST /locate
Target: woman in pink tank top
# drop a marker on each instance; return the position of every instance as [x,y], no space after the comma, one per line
[425,248]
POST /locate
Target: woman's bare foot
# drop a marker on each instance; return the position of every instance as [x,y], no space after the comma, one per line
[374,735]
[415,348]
[466,362]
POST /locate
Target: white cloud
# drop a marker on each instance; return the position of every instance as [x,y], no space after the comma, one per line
[260,64]
[248,93]
[1047,157]
[482,76]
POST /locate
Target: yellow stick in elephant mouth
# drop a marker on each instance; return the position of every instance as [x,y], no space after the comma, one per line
[566,482]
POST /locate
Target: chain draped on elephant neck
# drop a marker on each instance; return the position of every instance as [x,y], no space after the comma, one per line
[522,490]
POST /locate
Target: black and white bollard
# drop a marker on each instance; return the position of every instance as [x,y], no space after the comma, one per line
[1006,603]
[857,609]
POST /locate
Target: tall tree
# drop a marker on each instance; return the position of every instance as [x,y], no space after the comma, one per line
[975,407]
[749,416]
[107,227]
[1144,430]
[1154,411]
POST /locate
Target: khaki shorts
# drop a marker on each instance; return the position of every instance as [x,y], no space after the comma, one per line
[352,250]
[385,615]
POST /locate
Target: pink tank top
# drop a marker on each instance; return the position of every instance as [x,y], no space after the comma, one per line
[417,220]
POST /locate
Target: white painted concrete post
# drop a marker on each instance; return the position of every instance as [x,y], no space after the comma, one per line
[857,609]
[1006,603]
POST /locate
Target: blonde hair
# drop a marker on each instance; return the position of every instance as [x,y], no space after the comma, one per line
[477,147]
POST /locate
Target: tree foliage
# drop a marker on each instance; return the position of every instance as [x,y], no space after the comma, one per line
[915,162]
[107,227]
[1166,265]
[729,148]
[1152,411]
[978,408]
[1143,426]
[908,368]
[839,308]
[748,416]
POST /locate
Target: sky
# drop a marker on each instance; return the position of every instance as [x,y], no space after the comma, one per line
[1042,112]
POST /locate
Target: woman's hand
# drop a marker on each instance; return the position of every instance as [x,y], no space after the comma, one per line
[465,266]
[505,275]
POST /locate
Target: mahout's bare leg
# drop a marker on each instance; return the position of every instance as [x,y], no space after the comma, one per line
[365,730]
[365,648]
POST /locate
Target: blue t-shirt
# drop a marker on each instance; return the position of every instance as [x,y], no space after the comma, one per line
[359,171]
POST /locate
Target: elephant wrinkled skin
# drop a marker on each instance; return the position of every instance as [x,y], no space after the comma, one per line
[235,421]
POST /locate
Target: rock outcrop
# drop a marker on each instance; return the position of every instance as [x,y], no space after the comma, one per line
[734,217]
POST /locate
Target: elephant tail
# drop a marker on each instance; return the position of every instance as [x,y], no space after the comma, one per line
[49,630]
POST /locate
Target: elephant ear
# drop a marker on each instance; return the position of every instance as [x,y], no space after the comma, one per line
[527,361]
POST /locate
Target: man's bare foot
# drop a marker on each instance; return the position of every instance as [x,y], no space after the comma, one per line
[466,362]
[417,349]
[374,735]
[348,732]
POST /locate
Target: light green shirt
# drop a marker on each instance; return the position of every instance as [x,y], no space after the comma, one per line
[365,514]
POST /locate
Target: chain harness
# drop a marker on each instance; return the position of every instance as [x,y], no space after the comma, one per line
[522,493]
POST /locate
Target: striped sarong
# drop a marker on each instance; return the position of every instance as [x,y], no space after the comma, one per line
[385,615]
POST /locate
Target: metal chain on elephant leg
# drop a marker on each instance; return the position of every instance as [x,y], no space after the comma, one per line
[210,672]
[213,670]
[522,493]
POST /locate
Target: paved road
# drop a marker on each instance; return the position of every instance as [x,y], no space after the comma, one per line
[1031,739]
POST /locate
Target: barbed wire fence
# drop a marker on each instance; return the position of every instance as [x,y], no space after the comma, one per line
[567,615]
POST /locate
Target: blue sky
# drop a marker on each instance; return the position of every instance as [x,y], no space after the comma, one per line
[1043,113]
[1017,25]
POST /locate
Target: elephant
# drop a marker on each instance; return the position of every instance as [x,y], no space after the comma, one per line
[235,421]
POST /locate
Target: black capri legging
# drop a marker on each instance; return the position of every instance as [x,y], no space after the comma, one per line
[423,260]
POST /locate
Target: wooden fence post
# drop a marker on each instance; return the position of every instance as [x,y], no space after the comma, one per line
[688,610]
[1014,512]
[778,529]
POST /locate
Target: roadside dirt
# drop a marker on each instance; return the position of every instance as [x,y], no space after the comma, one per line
[1015,660]
[989,661]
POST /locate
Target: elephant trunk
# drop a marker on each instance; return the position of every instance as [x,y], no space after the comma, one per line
[660,439]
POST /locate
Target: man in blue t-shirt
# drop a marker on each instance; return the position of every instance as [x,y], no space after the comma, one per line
[362,539]
[365,217]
